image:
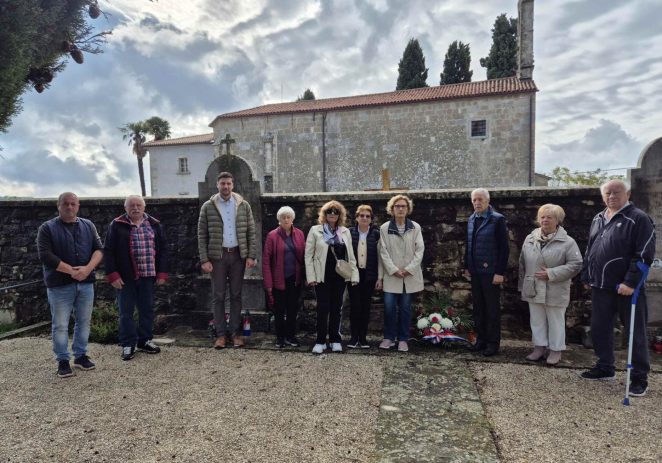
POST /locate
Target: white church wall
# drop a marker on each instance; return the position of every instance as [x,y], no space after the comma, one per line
[166,176]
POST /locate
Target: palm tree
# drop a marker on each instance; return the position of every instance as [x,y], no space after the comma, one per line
[136,133]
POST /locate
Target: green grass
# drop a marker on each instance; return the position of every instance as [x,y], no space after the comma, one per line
[5,327]
[104,327]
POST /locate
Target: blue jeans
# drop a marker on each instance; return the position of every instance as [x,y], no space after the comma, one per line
[134,293]
[79,299]
[392,323]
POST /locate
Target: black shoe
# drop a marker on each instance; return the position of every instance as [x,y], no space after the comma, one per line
[149,347]
[294,342]
[280,343]
[364,344]
[83,362]
[490,351]
[64,369]
[128,352]
[353,344]
[596,374]
[638,388]
[478,347]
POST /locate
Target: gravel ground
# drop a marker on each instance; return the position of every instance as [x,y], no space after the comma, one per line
[198,404]
[551,415]
[188,404]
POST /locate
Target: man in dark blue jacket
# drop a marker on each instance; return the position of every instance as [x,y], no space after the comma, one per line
[621,236]
[485,261]
[135,258]
[69,249]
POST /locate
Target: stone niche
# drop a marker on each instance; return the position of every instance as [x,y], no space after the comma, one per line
[252,294]
[646,182]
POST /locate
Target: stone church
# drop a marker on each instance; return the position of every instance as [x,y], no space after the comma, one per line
[450,136]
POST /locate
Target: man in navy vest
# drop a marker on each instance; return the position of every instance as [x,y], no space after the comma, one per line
[485,260]
[69,249]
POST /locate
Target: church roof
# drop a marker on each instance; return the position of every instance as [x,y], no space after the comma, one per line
[493,87]
[192,140]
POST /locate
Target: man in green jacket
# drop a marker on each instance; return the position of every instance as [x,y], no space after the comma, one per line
[226,243]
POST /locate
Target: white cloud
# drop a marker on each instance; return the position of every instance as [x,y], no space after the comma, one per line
[606,146]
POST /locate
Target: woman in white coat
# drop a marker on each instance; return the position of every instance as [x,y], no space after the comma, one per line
[401,252]
[548,261]
[328,242]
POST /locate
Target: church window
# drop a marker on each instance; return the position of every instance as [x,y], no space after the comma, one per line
[479,128]
[182,166]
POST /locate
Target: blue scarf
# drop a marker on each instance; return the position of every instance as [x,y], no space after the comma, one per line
[330,237]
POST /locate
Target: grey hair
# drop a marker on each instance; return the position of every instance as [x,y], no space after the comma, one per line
[64,195]
[285,210]
[130,197]
[625,184]
[481,191]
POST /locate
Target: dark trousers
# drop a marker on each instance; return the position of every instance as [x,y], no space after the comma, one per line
[606,305]
[486,310]
[230,267]
[329,302]
[286,306]
[360,298]
[136,293]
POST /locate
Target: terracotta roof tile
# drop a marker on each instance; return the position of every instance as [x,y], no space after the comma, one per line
[493,87]
[192,140]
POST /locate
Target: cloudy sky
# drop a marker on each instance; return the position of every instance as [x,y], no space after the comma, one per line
[598,65]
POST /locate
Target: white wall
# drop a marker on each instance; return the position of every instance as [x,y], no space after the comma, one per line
[164,167]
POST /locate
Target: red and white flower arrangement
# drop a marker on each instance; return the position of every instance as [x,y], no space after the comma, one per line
[437,321]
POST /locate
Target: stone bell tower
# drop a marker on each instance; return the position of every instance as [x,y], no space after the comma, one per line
[525,39]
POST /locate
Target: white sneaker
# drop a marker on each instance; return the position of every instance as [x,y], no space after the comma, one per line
[387,344]
[403,347]
[336,347]
[319,348]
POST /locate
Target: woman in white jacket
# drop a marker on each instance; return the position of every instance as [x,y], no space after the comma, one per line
[401,252]
[326,244]
[548,261]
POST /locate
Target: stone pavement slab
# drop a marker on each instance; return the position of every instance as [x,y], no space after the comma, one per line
[430,411]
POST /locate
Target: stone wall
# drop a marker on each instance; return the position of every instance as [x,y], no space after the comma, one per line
[442,214]
[19,221]
[424,145]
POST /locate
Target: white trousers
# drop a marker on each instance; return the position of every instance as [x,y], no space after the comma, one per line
[548,326]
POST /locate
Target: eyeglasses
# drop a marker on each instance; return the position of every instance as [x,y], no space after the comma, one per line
[365,216]
[331,211]
[400,206]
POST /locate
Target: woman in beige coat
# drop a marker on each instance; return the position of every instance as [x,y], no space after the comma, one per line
[401,252]
[548,261]
[326,243]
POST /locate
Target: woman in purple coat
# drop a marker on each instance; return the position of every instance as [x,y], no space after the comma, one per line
[282,261]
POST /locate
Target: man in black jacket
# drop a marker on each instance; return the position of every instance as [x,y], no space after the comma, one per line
[621,236]
[485,261]
[135,258]
[69,249]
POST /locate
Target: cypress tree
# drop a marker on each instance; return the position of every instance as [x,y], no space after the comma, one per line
[502,60]
[412,72]
[307,95]
[456,64]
